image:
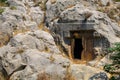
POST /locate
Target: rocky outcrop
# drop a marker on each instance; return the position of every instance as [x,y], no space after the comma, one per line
[103,24]
[34,56]
[78,72]
[20,16]
[24,48]
[31,54]
[101,76]
[82,10]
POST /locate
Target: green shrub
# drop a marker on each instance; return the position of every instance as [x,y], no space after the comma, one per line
[1,10]
[112,78]
[108,67]
[116,51]
[117,0]
[115,57]
[4,3]
[3,0]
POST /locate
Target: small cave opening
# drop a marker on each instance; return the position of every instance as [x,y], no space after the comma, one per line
[78,48]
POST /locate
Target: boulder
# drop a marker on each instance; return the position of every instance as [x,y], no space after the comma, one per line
[53,10]
[99,76]
[83,72]
[52,65]
[34,40]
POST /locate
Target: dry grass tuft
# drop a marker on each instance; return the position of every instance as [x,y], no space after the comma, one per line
[43,76]
[4,38]
[41,25]
[20,50]
[53,1]
[51,58]
[68,75]
[19,31]
[47,49]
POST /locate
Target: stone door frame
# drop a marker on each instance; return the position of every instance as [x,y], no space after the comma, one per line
[87,42]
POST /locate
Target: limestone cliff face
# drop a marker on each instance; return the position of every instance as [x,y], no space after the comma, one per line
[27,49]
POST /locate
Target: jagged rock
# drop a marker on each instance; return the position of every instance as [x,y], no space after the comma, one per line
[15,3]
[78,72]
[103,24]
[24,46]
[54,10]
[37,15]
[37,62]
[6,32]
[105,2]
[22,58]
[106,27]
[79,11]
[99,76]
[18,17]
[35,40]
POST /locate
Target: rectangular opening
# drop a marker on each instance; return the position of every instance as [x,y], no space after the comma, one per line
[78,48]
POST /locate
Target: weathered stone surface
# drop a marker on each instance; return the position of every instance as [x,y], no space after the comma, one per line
[22,47]
[36,62]
[103,24]
[78,72]
[6,32]
[99,76]
[35,40]
[106,27]
[37,15]
[18,17]
[54,10]
[25,57]
[35,51]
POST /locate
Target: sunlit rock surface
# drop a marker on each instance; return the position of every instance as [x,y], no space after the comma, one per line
[28,50]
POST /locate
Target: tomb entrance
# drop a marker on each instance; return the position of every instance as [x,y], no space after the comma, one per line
[82,45]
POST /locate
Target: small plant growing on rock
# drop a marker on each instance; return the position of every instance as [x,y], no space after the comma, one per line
[115,56]
[51,58]
[13,8]
[1,10]
[108,67]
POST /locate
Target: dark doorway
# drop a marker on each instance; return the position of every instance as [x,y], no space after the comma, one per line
[78,48]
